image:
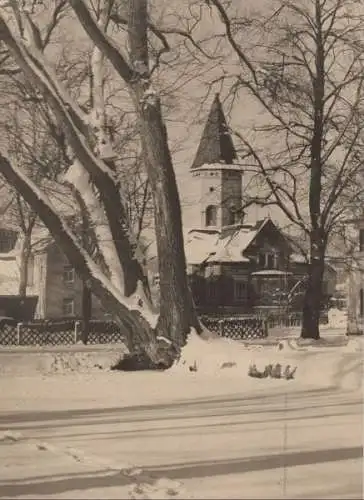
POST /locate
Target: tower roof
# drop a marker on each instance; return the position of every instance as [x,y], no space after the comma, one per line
[216,145]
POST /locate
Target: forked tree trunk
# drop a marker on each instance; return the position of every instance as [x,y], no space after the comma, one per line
[137,322]
[177,312]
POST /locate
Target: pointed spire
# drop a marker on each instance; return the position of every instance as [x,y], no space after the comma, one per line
[216,145]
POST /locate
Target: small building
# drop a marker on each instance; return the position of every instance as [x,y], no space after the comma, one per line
[240,268]
[60,290]
[50,277]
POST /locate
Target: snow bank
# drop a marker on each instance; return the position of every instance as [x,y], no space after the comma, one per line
[220,355]
[78,359]
[319,363]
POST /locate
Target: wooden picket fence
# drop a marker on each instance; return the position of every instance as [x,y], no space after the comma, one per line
[237,328]
[68,332]
[52,333]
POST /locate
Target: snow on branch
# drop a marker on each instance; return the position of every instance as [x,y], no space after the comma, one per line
[76,255]
[101,40]
[101,175]
[80,179]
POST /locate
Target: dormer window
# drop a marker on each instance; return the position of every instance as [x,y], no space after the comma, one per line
[211,216]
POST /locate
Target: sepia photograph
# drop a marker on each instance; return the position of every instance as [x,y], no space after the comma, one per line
[181,249]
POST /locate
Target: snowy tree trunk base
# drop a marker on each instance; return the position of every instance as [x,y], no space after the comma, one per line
[147,350]
[313,299]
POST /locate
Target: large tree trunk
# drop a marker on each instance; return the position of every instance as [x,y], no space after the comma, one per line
[318,238]
[313,294]
[25,254]
[177,311]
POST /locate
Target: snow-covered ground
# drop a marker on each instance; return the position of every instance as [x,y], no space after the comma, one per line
[210,433]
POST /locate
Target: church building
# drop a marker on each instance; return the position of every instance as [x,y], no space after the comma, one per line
[235,266]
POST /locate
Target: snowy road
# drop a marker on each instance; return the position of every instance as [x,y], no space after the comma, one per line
[218,438]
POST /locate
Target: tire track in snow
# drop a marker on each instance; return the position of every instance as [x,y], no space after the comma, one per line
[143,485]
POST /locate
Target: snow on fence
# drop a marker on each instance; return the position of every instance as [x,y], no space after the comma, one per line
[237,328]
[47,333]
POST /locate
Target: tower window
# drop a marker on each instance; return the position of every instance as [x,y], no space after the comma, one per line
[211,215]
[212,189]
[232,215]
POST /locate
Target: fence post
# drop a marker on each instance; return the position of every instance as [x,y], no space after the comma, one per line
[77,324]
[221,327]
[265,327]
[18,333]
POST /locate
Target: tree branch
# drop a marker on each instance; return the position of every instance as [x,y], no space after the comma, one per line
[102,41]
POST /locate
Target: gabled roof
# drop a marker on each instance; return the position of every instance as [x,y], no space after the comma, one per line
[199,245]
[216,145]
[226,246]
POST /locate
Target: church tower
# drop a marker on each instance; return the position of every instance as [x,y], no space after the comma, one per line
[220,181]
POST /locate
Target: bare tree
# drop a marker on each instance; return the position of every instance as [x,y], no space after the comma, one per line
[304,68]
[32,148]
[93,177]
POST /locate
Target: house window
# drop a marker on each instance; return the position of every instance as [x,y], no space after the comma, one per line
[211,290]
[361,302]
[7,240]
[68,307]
[211,215]
[270,261]
[68,274]
[240,290]
[267,260]
[361,240]
[261,259]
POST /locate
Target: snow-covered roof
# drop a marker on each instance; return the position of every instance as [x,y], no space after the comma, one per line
[271,272]
[199,245]
[230,248]
[226,246]
[298,258]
